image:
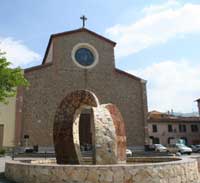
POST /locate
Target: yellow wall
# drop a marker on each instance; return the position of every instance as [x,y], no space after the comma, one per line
[7,118]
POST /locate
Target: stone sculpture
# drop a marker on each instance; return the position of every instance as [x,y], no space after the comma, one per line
[108,130]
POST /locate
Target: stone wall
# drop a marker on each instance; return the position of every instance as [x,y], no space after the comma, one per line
[182,171]
[198,161]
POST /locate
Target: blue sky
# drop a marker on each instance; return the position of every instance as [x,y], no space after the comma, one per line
[157,40]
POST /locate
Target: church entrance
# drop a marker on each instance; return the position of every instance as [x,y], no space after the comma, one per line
[85,131]
[72,126]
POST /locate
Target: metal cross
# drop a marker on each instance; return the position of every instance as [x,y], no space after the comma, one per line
[83,18]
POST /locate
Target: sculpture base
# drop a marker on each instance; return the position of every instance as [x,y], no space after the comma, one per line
[138,170]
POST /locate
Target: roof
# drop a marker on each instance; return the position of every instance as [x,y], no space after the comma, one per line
[155,112]
[155,116]
[37,67]
[174,119]
[84,30]
[128,75]
[73,32]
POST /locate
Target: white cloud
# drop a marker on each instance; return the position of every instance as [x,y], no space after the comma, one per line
[170,4]
[172,85]
[18,53]
[159,24]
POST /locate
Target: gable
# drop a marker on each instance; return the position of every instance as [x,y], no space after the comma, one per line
[49,51]
[60,46]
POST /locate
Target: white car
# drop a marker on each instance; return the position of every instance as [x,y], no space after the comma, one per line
[128,153]
[181,148]
[160,148]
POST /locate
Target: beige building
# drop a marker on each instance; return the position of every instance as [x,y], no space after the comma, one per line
[163,128]
[7,123]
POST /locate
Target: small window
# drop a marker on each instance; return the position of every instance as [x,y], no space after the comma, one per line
[182,128]
[26,136]
[194,128]
[184,139]
[170,128]
[156,140]
[154,128]
[169,140]
[85,55]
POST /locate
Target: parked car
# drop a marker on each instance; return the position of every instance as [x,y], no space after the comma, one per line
[128,153]
[181,148]
[149,147]
[195,148]
[160,148]
[28,150]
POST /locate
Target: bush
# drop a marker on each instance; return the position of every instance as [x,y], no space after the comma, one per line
[2,151]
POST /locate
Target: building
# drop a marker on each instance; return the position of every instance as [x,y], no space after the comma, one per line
[198,105]
[7,123]
[163,128]
[74,60]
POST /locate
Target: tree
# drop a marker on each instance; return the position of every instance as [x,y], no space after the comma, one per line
[10,79]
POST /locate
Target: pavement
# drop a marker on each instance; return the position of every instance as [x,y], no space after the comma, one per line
[2,162]
[2,169]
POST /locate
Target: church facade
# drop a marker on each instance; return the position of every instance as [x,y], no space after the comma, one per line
[78,60]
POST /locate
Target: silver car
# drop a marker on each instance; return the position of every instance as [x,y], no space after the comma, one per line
[181,148]
[160,148]
[128,153]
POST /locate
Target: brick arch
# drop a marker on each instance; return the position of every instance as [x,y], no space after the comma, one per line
[65,142]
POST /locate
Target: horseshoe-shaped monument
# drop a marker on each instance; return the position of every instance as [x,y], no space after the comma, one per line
[108,130]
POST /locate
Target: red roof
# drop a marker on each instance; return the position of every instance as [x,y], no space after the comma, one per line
[175,119]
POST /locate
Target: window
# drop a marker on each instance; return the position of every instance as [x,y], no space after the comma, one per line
[170,128]
[156,140]
[182,128]
[170,140]
[184,139]
[85,55]
[194,128]
[26,136]
[154,128]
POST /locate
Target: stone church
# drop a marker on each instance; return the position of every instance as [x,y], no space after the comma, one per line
[78,60]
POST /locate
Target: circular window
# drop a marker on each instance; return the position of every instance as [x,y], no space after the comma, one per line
[85,55]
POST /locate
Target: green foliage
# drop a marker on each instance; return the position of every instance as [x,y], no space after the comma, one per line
[10,79]
[2,151]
